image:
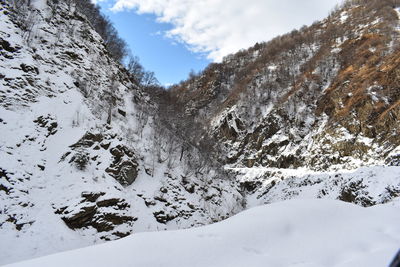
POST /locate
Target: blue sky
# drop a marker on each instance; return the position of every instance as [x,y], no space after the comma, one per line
[173,37]
[171,61]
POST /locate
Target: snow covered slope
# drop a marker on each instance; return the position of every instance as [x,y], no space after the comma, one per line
[366,186]
[302,233]
[67,177]
[86,157]
[323,97]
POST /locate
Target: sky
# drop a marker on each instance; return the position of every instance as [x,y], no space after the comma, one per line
[174,37]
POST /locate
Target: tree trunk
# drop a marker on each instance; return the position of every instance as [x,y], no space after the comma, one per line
[109,115]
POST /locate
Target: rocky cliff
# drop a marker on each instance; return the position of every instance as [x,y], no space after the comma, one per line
[88,155]
[319,97]
[84,156]
[310,114]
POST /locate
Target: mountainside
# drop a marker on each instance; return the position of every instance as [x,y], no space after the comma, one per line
[321,97]
[306,107]
[88,154]
[82,147]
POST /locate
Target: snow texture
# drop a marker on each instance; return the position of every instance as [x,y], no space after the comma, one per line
[303,233]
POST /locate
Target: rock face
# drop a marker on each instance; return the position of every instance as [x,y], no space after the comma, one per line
[323,97]
[71,121]
[47,122]
[124,166]
[83,146]
[366,186]
[96,210]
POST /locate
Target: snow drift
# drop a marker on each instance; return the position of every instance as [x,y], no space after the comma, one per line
[291,233]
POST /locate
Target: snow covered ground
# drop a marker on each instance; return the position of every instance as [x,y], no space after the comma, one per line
[301,233]
[365,186]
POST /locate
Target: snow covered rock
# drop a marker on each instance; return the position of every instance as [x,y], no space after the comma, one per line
[95,210]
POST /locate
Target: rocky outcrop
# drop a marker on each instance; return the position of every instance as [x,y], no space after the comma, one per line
[123,166]
[365,187]
[49,123]
[96,210]
[322,97]
[59,87]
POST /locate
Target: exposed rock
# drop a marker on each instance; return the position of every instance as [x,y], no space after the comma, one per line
[124,165]
[18,226]
[80,159]
[5,189]
[82,218]
[4,44]
[163,217]
[116,202]
[4,177]
[103,215]
[122,112]
[250,186]
[49,123]
[29,69]
[149,203]
[190,188]
[353,193]
[92,196]
[88,140]
[41,167]
[74,56]
[163,190]
[105,145]
[393,160]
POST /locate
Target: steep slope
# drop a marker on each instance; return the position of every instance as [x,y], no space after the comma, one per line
[86,155]
[320,97]
[83,155]
[291,233]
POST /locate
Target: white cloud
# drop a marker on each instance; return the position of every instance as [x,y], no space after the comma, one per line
[221,27]
[98,1]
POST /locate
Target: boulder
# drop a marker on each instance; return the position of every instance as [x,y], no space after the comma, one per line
[97,211]
[124,166]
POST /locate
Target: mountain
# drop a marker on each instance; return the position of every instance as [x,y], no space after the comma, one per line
[84,156]
[318,97]
[88,154]
[321,98]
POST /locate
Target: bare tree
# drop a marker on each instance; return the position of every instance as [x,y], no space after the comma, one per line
[111,97]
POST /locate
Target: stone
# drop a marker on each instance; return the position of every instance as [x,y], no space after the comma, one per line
[88,140]
[103,215]
[92,196]
[29,69]
[122,112]
[124,166]
[162,217]
[7,46]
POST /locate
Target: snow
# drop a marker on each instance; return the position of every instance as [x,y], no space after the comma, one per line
[33,195]
[39,4]
[274,233]
[291,233]
[344,16]
[397,11]
[373,184]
